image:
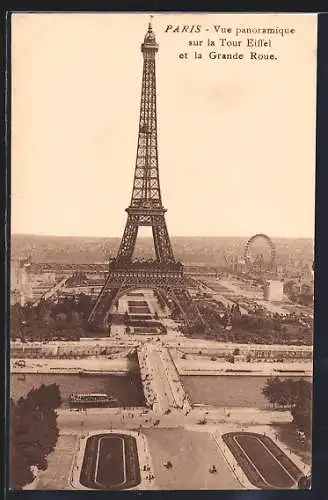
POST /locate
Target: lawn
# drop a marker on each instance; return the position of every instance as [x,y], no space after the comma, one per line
[110,462]
[263,462]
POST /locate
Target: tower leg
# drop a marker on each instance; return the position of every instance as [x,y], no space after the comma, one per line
[163,248]
[188,308]
[129,240]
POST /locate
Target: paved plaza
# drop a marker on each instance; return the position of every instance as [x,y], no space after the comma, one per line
[60,464]
[192,454]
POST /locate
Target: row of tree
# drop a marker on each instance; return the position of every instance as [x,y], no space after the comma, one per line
[250,328]
[66,318]
[294,394]
[300,294]
[34,433]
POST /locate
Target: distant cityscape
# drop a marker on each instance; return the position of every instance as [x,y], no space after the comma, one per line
[40,263]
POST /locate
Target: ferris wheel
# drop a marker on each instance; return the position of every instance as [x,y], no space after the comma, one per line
[260,253]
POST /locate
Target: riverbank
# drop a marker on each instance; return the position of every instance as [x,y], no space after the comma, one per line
[185,367]
[203,367]
[93,366]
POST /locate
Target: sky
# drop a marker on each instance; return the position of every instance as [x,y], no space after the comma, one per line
[236,138]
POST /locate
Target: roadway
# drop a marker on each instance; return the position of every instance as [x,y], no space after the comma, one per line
[135,418]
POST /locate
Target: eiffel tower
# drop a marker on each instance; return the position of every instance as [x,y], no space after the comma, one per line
[163,274]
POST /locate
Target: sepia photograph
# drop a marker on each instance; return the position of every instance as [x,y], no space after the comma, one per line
[162,251]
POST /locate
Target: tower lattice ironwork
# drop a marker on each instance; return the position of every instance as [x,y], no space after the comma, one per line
[164,273]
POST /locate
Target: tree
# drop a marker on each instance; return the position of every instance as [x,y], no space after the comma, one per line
[75,319]
[302,416]
[83,305]
[288,392]
[304,483]
[236,312]
[273,390]
[15,318]
[300,390]
[34,432]
[45,397]
[290,287]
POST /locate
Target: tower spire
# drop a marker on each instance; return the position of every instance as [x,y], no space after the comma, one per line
[150,23]
[149,40]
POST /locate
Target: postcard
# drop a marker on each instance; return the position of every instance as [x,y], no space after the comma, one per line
[162,250]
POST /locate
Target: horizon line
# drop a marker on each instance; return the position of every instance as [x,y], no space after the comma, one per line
[171,236]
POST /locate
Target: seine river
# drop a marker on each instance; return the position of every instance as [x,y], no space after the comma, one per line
[234,390]
[217,391]
[126,389]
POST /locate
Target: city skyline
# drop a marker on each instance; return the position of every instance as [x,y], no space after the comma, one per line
[72,132]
